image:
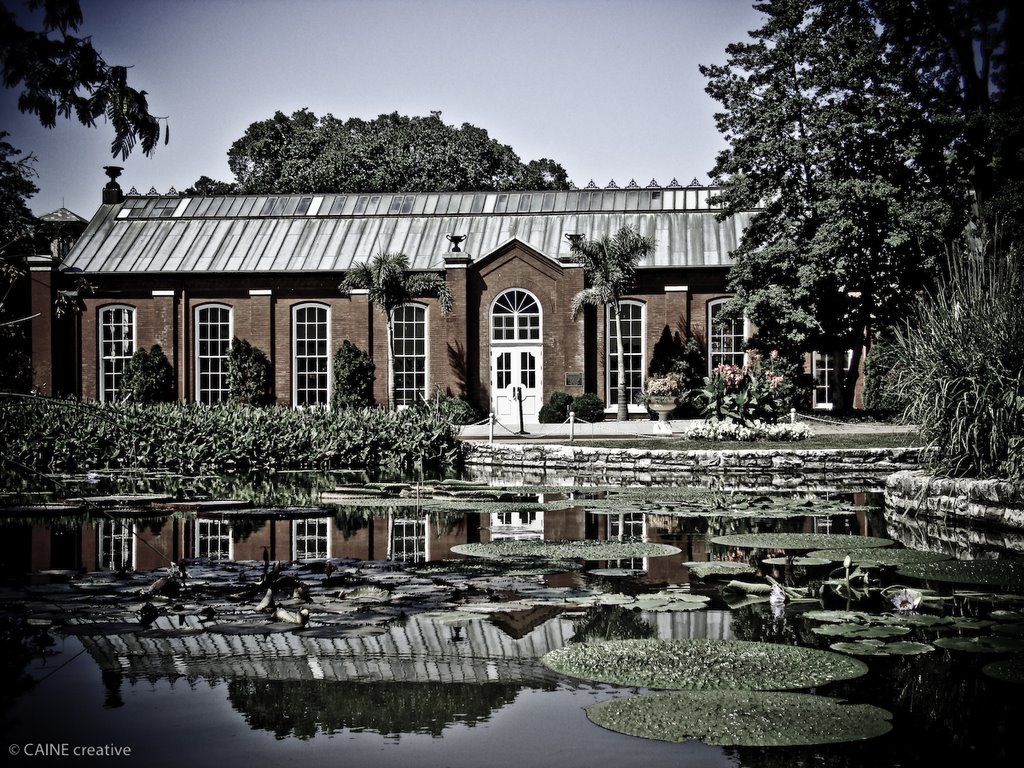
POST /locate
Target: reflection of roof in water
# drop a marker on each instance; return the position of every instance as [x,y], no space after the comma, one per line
[416,650]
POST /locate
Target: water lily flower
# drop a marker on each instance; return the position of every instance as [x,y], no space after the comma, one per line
[906,600]
[777,600]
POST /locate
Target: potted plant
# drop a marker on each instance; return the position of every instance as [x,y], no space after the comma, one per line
[663,393]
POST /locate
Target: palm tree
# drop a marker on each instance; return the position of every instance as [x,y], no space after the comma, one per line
[609,264]
[391,284]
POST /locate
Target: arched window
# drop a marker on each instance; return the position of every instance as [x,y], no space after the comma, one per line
[212,339]
[310,355]
[631,318]
[515,316]
[117,345]
[410,348]
[725,338]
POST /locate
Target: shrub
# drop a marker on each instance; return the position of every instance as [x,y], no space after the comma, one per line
[959,361]
[731,430]
[148,377]
[455,409]
[188,438]
[556,410]
[879,395]
[249,374]
[588,407]
[354,374]
[759,391]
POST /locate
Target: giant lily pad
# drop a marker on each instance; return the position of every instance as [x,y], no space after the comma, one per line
[880,555]
[799,541]
[741,718]
[701,664]
[583,550]
[1010,670]
[997,573]
[703,570]
[860,631]
[878,648]
[984,644]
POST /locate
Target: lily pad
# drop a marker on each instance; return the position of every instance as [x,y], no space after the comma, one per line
[799,541]
[880,555]
[703,664]
[741,718]
[703,570]
[878,648]
[997,573]
[582,550]
[984,644]
[801,562]
[1010,670]
[860,631]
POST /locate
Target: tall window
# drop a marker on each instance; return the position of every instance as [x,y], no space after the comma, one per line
[116,545]
[410,345]
[213,338]
[631,319]
[515,317]
[117,345]
[823,364]
[310,359]
[213,539]
[408,539]
[725,338]
[311,539]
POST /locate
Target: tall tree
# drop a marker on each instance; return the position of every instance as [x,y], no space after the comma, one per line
[61,75]
[303,153]
[390,284]
[609,264]
[825,144]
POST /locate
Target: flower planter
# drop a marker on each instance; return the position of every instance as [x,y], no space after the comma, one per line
[662,406]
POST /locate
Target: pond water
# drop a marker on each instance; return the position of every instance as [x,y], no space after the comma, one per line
[380,643]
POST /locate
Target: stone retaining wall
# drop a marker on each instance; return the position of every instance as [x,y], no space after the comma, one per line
[838,469]
[986,502]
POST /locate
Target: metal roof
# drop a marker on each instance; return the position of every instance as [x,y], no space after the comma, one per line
[285,233]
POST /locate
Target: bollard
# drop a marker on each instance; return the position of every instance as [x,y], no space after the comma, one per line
[490,427]
[792,415]
[572,425]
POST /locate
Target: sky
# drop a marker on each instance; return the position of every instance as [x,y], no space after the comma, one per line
[608,88]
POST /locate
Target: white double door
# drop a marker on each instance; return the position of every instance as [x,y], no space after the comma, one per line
[517,378]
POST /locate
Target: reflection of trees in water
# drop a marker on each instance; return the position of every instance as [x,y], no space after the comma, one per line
[611,622]
[304,708]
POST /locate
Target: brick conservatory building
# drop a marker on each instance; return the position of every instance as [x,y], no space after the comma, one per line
[191,273]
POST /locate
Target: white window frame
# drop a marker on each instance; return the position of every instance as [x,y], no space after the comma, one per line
[401,398]
[112,365]
[522,332]
[200,391]
[221,532]
[610,358]
[301,533]
[116,536]
[407,539]
[325,358]
[712,363]
[821,367]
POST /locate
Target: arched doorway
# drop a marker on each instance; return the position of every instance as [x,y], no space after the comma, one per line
[517,357]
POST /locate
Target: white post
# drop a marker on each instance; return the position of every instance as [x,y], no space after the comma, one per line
[792,415]
[572,426]
[490,427]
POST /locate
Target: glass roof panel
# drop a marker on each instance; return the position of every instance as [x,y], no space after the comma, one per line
[248,206]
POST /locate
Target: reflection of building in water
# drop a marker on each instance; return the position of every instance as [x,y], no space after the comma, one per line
[311,539]
[407,539]
[520,525]
[628,526]
[115,545]
[213,539]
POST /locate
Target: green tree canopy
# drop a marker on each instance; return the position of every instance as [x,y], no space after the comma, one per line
[831,138]
[303,153]
[60,75]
